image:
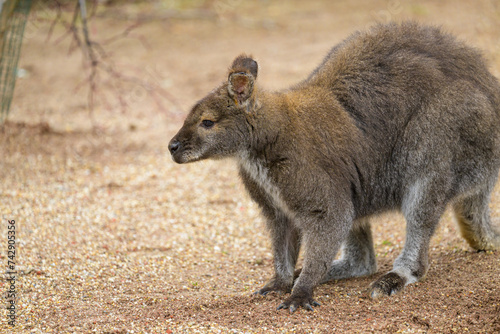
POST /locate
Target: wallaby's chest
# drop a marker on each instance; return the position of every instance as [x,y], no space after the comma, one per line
[260,175]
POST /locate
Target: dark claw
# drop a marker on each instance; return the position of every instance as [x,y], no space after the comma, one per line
[276,285]
[300,298]
[260,293]
[282,305]
[294,305]
[308,307]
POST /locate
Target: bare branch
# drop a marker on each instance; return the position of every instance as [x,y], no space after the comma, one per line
[55,20]
[99,63]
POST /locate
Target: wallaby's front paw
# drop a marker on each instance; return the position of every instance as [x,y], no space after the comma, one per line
[296,300]
[387,285]
[274,285]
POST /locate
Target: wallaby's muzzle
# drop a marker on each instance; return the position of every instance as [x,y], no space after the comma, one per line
[175,147]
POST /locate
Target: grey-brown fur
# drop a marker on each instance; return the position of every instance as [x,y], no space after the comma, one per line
[401,117]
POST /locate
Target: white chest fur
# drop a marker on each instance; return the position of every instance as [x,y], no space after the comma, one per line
[259,174]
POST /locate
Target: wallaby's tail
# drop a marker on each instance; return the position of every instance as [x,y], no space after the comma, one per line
[474,221]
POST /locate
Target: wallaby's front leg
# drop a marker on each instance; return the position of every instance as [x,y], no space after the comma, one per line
[322,241]
[286,245]
[285,238]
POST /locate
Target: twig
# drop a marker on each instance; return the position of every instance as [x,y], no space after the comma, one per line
[89,51]
[54,21]
[98,61]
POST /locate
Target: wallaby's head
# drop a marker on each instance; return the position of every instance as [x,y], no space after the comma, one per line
[217,126]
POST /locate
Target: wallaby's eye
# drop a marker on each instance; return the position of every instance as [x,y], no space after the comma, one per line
[207,124]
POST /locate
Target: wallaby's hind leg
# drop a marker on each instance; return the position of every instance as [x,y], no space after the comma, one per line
[422,207]
[358,257]
[474,221]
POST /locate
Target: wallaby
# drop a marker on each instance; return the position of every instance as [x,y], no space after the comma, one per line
[400,117]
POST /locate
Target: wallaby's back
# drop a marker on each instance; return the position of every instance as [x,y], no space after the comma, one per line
[400,63]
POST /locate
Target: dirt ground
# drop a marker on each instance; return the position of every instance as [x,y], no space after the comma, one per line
[113,237]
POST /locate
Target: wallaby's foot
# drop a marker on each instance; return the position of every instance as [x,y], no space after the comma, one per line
[387,285]
[299,299]
[274,284]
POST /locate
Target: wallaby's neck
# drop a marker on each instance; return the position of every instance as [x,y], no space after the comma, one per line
[268,122]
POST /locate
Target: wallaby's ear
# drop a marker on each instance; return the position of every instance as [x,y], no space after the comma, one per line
[242,75]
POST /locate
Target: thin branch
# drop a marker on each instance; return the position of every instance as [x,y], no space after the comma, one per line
[127,33]
[89,50]
[99,63]
[57,19]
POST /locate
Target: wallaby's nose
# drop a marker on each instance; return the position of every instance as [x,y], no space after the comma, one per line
[174,146]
